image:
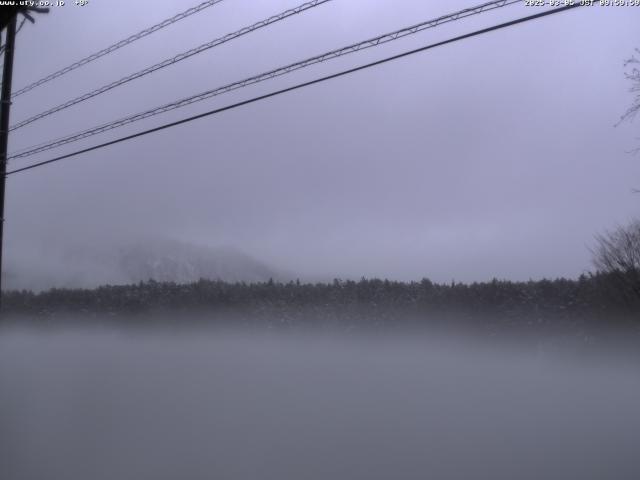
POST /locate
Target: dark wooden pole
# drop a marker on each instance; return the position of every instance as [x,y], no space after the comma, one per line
[5,107]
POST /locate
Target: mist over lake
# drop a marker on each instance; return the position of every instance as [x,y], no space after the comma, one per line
[202,404]
[319,240]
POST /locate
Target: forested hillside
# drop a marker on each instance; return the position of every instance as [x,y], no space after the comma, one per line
[599,299]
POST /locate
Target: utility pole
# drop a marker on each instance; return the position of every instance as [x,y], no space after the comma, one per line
[8,20]
[5,107]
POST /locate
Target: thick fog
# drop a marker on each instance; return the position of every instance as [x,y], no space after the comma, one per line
[496,156]
[492,157]
[104,405]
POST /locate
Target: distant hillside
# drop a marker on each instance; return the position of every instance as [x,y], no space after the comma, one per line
[182,263]
[160,260]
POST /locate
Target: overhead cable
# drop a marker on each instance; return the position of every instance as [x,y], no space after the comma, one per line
[117,45]
[372,42]
[170,61]
[298,86]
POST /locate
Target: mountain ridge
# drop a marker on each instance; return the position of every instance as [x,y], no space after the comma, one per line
[161,260]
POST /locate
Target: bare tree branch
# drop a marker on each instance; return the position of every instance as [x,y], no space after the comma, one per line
[633,75]
[617,253]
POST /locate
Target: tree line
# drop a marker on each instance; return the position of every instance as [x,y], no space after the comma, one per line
[594,298]
[608,296]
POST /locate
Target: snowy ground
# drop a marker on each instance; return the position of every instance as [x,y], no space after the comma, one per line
[103,405]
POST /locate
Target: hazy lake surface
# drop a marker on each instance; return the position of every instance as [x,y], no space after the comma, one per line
[205,405]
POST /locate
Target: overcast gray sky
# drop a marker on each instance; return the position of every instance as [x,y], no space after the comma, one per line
[492,157]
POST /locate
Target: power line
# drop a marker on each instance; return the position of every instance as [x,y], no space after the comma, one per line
[21,25]
[372,42]
[118,45]
[178,58]
[300,85]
